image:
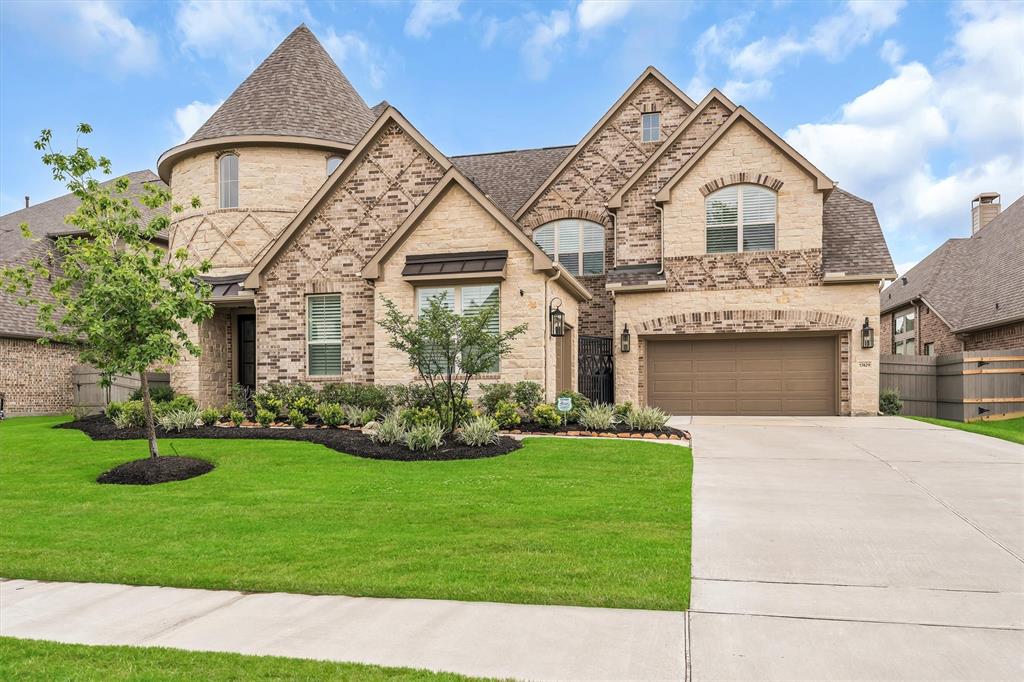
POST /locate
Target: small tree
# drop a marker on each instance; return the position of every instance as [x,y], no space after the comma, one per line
[447,350]
[115,294]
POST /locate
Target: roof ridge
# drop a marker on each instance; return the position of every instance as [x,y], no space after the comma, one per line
[513,151]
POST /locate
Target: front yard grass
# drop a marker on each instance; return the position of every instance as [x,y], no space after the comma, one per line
[1006,429]
[561,521]
[26,659]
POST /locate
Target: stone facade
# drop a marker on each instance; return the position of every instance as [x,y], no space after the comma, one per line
[752,270]
[209,377]
[457,223]
[36,379]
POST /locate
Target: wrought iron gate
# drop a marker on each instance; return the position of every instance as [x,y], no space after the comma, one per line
[596,371]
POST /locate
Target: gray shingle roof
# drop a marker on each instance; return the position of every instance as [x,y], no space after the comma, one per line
[971,282]
[852,239]
[510,178]
[297,90]
[45,220]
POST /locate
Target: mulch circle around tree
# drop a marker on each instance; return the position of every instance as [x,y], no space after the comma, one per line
[153,470]
[348,441]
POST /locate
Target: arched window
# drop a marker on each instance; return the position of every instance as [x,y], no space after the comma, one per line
[227,167]
[577,245]
[332,163]
[740,218]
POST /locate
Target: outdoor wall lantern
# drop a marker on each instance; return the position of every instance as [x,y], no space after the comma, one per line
[867,335]
[557,317]
[624,339]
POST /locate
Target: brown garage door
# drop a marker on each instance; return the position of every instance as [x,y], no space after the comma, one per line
[757,376]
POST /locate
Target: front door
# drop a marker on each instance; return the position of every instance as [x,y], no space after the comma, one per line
[247,351]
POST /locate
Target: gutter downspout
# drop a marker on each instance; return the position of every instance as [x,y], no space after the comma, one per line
[547,321]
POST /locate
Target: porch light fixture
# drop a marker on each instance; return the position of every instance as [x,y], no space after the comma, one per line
[557,317]
[624,339]
[867,335]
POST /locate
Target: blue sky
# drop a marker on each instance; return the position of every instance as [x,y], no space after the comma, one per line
[914,106]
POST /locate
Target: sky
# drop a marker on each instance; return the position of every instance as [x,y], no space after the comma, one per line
[916,107]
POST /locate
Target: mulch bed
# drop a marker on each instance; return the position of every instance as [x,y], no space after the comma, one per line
[156,470]
[349,441]
[619,430]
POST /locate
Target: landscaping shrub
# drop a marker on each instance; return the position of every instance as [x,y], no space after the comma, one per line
[331,414]
[360,395]
[465,412]
[158,394]
[268,402]
[276,391]
[265,417]
[417,416]
[546,415]
[599,417]
[389,430]
[237,417]
[494,394]
[622,410]
[132,414]
[358,416]
[479,431]
[242,399]
[889,402]
[506,413]
[209,416]
[178,404]
[306,405]
[578,401]
[646,419]
[300,393]
[113,410]
[425,437]
[296,419]
[528,394]
[179,420]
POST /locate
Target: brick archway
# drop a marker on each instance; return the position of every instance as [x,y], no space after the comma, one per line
[743,177]
[543,217]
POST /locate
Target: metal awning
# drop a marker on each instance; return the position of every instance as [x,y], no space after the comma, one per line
[465,264]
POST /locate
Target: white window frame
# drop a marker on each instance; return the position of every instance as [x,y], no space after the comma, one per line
[457,305]
[222,183]
[738,187]
[581,226]
[324,342]
[906,337]
[644,128]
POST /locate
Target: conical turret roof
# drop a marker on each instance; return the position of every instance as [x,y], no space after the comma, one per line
[298,90]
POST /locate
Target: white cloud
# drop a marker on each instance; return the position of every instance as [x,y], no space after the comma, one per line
[543,45]
[714,42]
[892,52]
[191,116]
[747,91]
[236,31]
[596,14]
[428,14]
[350,49]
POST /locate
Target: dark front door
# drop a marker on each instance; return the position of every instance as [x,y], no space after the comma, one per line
[596,368]
[247,351]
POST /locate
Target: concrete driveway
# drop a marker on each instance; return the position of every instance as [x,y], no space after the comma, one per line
[867,548]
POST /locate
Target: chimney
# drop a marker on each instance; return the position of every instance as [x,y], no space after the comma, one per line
[984,208]
[26,201]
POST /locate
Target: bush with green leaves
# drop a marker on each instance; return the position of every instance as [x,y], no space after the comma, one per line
[306,405]
[132,414]
[179,420]
[417,416]
[646,418]
[177,404]
[425,437]
[623,409]
[482,430]
[528,394]
[492,394]
[296,419]
[242,399]
[113,410]
[300,393]
[599,417]
[268,402]
[237,417]
[889,402]
[265,418]
[547,416]
[578,401]
[159,393]
[331,414]
[506,413]
[358,416]
[361,395]
[389,430]
[464,412]
[209,416]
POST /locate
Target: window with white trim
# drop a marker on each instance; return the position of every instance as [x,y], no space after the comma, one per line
[227,176]
[904,334]
[468,299]
[740,218]
[332,163]
[651,126]
[323,335]
[577,245]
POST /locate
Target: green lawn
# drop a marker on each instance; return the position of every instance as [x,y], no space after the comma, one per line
[26,659]
[561,521]
[1007,429]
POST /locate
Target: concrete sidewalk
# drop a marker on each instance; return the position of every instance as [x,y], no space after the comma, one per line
[472,638]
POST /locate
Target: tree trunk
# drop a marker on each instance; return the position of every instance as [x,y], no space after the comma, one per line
[147,408]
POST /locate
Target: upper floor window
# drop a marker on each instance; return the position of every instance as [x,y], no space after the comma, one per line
[228,178]
[904,332]
[740,218]
[577,245]
[652,126]
[332,163]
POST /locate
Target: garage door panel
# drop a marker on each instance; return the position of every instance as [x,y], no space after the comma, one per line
[756,376]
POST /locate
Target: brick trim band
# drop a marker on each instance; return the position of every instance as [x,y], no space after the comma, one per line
[544,217]
[743,177]
[719,321]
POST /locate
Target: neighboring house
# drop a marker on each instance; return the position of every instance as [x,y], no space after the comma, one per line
[966,295]
[35,378]
[688,245]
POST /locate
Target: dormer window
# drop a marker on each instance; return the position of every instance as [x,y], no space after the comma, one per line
[740,218]
[332,163]
[227,171]
[652,126]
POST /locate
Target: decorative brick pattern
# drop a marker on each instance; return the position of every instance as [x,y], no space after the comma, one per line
[734,321]
[36,379]
[741,177]
[998,338]
[752,270]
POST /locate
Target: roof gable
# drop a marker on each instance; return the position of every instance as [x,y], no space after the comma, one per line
[509,178]
[822,182]
[649,72]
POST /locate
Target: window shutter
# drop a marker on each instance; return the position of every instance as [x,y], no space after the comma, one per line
[544,237]
[569,246]
[721,214]
[758,218]
[324,335]
[424,295]
[593,249]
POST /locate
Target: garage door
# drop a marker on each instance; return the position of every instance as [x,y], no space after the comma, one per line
[756,376]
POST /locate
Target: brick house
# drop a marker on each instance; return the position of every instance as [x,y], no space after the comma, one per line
[966,295]
[35,378]
[702,263]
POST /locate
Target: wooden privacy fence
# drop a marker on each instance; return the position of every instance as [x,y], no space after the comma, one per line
[90,395]
[967,386]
